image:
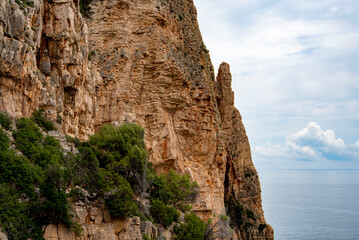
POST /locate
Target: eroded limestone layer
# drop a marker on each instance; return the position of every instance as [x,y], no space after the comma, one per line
[140,61]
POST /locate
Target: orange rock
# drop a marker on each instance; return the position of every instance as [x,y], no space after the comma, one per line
[134,61]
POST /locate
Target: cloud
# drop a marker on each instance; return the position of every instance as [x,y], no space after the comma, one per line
[312,143]
[292,62]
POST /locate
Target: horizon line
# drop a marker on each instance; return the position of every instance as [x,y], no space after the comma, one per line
[325,169]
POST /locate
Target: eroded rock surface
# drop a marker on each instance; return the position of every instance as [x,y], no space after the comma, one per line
[133,61]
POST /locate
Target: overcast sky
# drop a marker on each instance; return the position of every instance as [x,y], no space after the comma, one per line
[295,76]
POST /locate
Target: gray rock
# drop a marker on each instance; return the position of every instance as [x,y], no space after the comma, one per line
[17,23]
[149,229]
[3,235]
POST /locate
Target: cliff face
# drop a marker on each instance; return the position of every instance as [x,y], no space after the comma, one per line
[136,61]
[44,63]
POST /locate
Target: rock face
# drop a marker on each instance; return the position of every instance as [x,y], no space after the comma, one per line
[140,61]
[43,47]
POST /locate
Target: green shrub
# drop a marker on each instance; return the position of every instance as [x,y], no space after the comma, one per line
[248,174]
[39,118]
[121,149]
[30,141]
[261,227]
[162,214]
[174,189]
[87,169]
[5,121]
[248,225]
[56,174]
[85,8]
[120,203]
[250,214]
[145,237]
[55,208]
[75,140]
[90,55]
[27,136]
[25,3]
[4,141]
[169,193]
[109,164]
[224,218]
[235,211]
[77,228]
[15,219]
[193,228]
[184,207]
[113,164]
[53,146]
[76,194]
[19,171]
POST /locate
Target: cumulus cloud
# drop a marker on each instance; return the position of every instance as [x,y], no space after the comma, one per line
[312,143]
[291,61]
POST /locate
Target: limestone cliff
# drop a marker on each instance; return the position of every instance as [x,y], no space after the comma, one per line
[140,61]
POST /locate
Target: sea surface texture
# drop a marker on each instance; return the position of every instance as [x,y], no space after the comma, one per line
[311,204]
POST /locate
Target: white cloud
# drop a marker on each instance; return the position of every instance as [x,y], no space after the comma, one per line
[314,133]
[312,143]
[292,62]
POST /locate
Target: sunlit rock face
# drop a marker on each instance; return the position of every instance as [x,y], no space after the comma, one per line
[140,61]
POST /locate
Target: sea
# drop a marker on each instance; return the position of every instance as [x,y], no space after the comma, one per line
[311,204]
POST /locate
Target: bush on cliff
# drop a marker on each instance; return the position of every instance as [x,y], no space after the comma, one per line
[235,211]
[121,147]
[238,214]
[20,172]
[86,169]
[174,189]
[55,208]
[120,200]
[39,118]
[4,141]
[31,142]
[192,228]
[15,218]
[122,157]
[85,8]
[163,214]
[5,121]
[113,163]
[169,194]
[31,183]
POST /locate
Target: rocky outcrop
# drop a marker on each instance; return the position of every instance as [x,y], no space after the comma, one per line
[96,224]
[241,180]
[133,61]
[128,229]
[3,236]
[44,51]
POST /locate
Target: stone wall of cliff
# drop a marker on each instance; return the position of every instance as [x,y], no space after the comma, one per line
[140,61]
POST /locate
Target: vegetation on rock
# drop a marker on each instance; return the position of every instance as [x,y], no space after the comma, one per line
[32,183]
[241,217]
[39,119]
[85,8]
[192,228]
[5,121]
[163,214]
[171,194]
[112,164]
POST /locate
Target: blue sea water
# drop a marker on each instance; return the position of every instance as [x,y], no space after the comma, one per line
[311,204]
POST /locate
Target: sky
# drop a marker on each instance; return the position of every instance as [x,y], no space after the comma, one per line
[295,77]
